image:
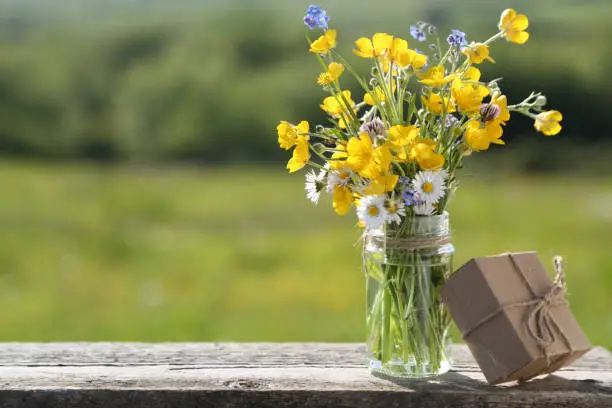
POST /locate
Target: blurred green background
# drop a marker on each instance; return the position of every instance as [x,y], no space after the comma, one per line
[145,196]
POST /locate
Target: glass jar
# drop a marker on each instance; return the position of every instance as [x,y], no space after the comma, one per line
[407,323]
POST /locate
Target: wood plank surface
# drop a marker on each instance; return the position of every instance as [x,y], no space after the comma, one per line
[268,375]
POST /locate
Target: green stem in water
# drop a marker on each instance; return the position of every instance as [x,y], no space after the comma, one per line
[386,323]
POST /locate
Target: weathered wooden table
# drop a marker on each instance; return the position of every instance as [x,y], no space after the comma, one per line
[267,375]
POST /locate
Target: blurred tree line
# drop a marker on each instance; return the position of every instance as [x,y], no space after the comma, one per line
[213,87]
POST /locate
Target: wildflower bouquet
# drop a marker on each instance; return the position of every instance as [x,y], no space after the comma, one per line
[393,156]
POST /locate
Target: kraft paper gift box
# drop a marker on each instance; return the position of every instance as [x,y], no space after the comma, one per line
[513,317]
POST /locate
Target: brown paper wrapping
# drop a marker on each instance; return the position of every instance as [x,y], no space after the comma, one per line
[493,299]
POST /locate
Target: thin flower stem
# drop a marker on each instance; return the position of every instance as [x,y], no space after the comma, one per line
[524,112]
[387,92]
[318,166]
[352,71]
[494,38]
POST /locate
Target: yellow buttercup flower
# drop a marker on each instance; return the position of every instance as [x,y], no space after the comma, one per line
[334,70]
[418,60]
[475,137]
[338,159]
[301,155]
[502,104]
[427,141]
[364,159]
[340,106]
[434,76]
[324,43]
[436,105]
[472,74]
[400,136]
[400,154]
[303,128]
[467,96]
[479,136]
[548,122]
[404,56]
[477,53]
[343,198]
[335,105]
[398,46]
[288,133]
[389,181]
[423,152]
[383,183]
[400,139]
[513,26]
[360,156]
[382,158]
[378,47]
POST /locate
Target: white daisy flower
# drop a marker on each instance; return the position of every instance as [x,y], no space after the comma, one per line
[396,211]
[423,208]
[372,212]
[429,185]
[314,185]
[338,178]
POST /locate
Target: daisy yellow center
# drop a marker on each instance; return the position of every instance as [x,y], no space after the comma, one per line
[343,175]
[392,209]
[427,187]
[373,210]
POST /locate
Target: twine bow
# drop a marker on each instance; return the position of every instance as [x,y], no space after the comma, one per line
[540,322]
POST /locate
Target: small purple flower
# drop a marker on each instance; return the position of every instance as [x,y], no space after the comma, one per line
[489,112]
[404,183]
[316,17]
[374,128]
[410,197]
[457,39]
[417,33]
[450,121]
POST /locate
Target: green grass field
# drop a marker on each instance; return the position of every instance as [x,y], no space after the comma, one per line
[115,253]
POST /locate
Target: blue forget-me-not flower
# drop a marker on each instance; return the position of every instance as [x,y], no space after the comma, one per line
[417,33]
[316,17]
[457,39]
[410,197]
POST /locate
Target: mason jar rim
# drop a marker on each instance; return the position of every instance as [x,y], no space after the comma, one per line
[436,225]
